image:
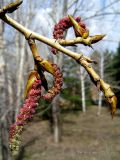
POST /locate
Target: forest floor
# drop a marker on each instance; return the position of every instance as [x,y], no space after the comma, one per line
[85,137]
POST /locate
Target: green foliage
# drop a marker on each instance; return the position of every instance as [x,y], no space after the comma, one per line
[116,67]
[116,64]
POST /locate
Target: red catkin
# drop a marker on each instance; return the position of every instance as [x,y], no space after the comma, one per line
[25,114]
[61,27]
[57,84]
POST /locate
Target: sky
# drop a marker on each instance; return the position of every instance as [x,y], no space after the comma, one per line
[108,25]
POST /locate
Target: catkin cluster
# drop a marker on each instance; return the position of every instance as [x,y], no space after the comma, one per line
[58,81]
[25,114]
[62,26]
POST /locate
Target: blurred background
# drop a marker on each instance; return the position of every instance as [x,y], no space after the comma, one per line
[77,124]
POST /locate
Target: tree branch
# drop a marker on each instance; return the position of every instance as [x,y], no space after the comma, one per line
[83,60]
[79,40]
[101,14]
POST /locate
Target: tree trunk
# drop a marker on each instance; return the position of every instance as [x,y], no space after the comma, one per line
[56,120]
[4,141]
[102,76]
[82,89]
[57,60]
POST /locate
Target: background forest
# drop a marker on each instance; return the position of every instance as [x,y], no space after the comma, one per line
[65,129]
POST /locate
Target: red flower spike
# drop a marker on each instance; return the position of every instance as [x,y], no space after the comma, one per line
[57,84]
[60,28]
[26,113]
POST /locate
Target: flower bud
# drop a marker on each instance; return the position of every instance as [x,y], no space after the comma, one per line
[47,66]
[97,38]
[113,103]
[31,79]
[80,29]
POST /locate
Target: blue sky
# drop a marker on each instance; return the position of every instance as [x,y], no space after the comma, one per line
[98,25]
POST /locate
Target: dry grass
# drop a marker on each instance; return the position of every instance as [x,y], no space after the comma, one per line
[85,137]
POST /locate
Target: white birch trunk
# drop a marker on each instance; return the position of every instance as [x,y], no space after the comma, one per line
[102,76]
[59,11]
[56,120]
[82,79]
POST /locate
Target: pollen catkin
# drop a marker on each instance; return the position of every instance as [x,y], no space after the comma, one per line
[61,27]
[57,84]
[25,114]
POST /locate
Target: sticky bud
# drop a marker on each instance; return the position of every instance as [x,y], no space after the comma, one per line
[47,66]
[44,64]
[97,38]
[80,29]
[113,103]
[31,79]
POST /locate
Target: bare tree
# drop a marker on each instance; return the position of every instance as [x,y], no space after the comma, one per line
[57,13]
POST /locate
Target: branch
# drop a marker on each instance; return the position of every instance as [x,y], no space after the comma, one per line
[79,40]
[83,60]
[100,84]
[101,14]
[52,42]
[106,7]
[97,13]
[30,34]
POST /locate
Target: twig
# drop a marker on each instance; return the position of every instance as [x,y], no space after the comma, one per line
[79,40]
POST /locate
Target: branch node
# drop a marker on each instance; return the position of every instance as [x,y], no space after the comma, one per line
[29,37]
[79,59]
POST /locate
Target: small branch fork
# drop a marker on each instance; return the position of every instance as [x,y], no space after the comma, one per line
[80,58]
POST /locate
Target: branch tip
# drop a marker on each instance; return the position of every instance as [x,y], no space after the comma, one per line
[97,38]
[11,7]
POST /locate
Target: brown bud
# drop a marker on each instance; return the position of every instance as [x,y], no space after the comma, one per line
[97,38]
[113,102]
[31,79]
[80,31]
